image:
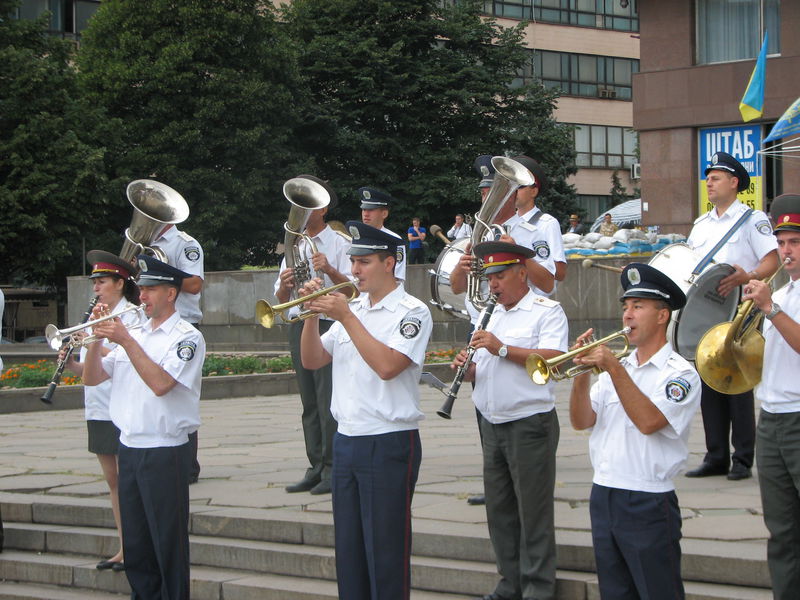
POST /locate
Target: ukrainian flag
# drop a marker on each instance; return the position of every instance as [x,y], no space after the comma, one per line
[752,104]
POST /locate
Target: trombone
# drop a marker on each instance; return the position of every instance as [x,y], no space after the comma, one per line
[265,313]
[56,337]
[542,371]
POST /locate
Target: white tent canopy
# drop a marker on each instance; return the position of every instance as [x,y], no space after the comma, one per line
[627,214]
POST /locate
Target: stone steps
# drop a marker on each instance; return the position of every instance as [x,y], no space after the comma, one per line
[240,553]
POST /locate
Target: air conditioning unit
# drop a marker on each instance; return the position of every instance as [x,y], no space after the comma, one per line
[606,93]
[636,171]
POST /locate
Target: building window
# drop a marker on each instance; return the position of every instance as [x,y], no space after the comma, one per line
[585,74]
[605,147]
[68,18]
[729,31]
[593,206]
[602,14]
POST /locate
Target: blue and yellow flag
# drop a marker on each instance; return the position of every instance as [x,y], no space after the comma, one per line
[752,104]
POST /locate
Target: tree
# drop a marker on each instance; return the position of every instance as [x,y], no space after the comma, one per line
[405,94]
[50,168]
[618,192]
[206,95]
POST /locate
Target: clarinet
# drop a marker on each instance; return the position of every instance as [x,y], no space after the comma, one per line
[447,407]
[51,387]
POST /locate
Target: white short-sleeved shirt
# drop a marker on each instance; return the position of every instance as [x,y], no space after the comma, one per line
[185,253]
[333,246]
[751,242]
[778,392]
[622,456]
[400,267]
[543,237]
[144,419]
[463,230]
[96,398]
[362,403]
[503,391]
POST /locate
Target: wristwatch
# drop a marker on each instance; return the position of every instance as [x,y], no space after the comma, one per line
[503,352]
[773,311]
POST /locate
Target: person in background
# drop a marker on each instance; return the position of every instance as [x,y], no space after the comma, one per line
[608,227]
[416,236]
[640,412]
[575,225]
[113,285]
[374,212]
[460,229]
[186,253]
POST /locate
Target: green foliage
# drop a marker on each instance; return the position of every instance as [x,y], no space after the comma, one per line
[220,364]
[618,192]
[36,374]
[50,166]
[205,94]
[406,94]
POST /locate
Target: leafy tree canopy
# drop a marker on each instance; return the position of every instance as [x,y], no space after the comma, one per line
[206,96]
[405,94]
[50,168]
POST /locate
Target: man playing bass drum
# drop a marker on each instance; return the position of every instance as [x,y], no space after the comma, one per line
[751,250]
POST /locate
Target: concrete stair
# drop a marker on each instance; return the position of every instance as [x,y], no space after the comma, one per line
[53,543]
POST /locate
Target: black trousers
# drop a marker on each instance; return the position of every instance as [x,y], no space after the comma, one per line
[154,505]
[373,483]
[315,395]
[728,419]
[636,538]
[416,256]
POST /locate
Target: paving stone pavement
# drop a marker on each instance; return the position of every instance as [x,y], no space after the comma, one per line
[251,448]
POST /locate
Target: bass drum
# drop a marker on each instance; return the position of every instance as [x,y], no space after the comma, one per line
[705,307]
[441,294]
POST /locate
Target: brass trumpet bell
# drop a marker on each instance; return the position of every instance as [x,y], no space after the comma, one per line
[266,313]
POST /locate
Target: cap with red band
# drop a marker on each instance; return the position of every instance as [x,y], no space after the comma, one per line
[104,264]
[786,212]
[498,256]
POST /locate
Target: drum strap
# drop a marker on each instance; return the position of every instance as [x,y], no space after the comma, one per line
[710,256]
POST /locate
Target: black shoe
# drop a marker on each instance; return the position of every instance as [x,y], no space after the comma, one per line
[303,485]
[739,471]
[118,566]
[476,500]
[323,487]
[707,470]
[104,565]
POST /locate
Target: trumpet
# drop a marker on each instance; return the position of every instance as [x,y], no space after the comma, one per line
[542,371]
[56,337]
[265,313]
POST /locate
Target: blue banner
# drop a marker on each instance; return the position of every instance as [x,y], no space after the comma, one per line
[742,142]
[788,124]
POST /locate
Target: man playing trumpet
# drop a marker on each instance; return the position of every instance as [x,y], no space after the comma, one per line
[377,348]
[640,411]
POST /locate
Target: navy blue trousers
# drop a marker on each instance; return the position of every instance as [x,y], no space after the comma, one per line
[636,538]
[373,484]
[154,505]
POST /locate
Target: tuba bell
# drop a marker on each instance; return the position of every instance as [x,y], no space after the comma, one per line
[154,205]
[305,196]
[509,175]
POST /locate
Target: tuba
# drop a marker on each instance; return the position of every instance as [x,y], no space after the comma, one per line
[305,196]
[154,205]
[509,175]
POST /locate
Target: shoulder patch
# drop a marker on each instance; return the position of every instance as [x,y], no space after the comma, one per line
[409,327]
[401,254]
[186,350]
[547,302]
[764,228]
[677,389]
[541,249]
[192,253]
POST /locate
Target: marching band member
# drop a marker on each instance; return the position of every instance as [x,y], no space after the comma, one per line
[751,250]
[374,212]
[332,262]
[778,434]
[519,426]
[377,347]
[155,377]
[114,287]
[640,412]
